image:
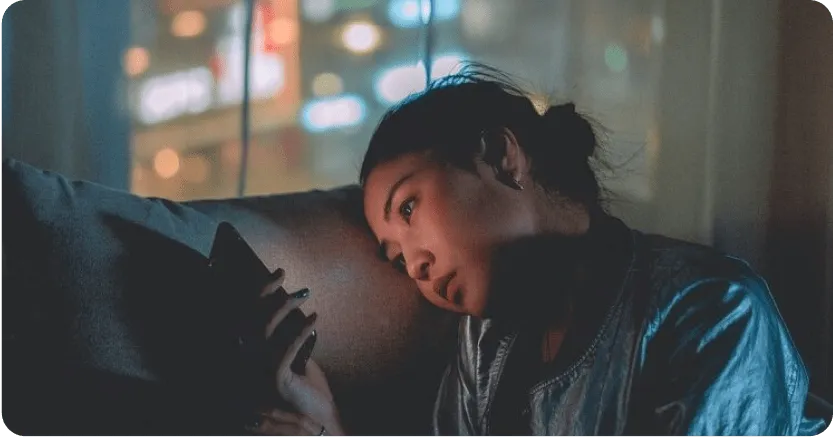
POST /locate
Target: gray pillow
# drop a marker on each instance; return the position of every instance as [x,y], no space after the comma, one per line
[96,279]
[104,322]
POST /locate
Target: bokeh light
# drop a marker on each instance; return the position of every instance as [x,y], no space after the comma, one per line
[136,61]
[282,31]
[616,58]
[166,163]
[361,37]
[327,84]
[188,24]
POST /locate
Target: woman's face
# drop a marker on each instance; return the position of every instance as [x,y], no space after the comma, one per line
[441,226]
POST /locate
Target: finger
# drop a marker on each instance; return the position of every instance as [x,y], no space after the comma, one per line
[284,369]
[314,371]
[291,425]
[305,353]
[281,415]
[277,280]
[295,300]
[303,422]
[269,427]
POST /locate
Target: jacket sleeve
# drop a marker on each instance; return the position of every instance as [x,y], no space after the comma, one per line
[721,362]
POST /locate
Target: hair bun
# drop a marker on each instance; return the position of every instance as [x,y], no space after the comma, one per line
[570,129]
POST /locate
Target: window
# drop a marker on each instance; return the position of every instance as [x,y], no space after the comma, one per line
[324,71]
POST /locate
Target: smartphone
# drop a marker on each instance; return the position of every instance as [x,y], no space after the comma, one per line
[236,266]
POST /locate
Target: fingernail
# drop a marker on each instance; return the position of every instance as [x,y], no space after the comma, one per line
[300,294]
[253,422]
[277,273]
[311,318]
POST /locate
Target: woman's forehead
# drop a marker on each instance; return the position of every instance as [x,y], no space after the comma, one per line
[383,179]
[385,175]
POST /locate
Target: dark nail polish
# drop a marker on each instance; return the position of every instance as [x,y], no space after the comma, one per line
[277,273]
[300,294]
[311,318]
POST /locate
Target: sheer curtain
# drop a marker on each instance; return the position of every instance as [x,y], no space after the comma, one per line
[62,87]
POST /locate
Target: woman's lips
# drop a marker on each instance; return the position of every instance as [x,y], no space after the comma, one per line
[454,291]
[443,287]
[450,290]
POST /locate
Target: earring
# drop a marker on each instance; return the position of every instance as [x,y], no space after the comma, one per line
[507,179]
[518,184]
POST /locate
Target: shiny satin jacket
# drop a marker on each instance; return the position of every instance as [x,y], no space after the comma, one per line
[687,341]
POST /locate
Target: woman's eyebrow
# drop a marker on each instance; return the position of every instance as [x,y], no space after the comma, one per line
[392,192]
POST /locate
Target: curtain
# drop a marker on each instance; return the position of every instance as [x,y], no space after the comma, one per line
[63,108]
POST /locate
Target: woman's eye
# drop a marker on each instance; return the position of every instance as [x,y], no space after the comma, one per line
[406,209]
[399,263]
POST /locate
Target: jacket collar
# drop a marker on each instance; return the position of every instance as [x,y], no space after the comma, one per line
[607,252]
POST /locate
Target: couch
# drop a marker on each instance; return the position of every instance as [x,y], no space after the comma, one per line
[86,371]
[97,321]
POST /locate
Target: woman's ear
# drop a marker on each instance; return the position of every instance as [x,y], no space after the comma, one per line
[502,152]
[514,161]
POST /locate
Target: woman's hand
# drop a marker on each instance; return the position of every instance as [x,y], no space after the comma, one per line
[309,394]
[277,422]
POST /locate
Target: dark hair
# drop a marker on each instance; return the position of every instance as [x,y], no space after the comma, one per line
[453,114]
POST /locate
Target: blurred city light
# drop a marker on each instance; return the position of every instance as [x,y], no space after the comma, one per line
[136,61]
[360,36]
[164,97]
[332,113]
[268,73]
[188,24]
[282,31]
[406,13]
[236,18]
[318,10]
[616,58]
[166,163]
[327,84]
[657,28]
[395,83]
[445,65]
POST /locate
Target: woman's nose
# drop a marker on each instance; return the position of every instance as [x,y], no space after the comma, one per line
[419,265]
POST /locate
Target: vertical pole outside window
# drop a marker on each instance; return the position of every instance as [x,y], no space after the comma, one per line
[427,36]
[245,104]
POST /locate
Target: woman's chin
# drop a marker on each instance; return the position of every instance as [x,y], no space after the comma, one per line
[474,306]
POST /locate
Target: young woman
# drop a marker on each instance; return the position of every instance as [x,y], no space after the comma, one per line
[573,323]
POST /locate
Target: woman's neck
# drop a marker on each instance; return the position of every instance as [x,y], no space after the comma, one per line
[580,271]
[563,217]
